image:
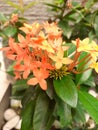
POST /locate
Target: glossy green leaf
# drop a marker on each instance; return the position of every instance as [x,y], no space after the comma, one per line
[50,91]
[66,90]
[90,82]
[41,112]
[50,115]
[83,77]
[27,115]
[10,31]
[90,104]
[64,112]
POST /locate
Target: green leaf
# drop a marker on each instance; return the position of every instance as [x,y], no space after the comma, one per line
[90,104]
[12,4]
[30,93]
[79,114]
[3,18]
[20,85]
[53,6]
[71,49]
[19,88]
[83,77]
[59,1]
[89,4]
[10,69]
[90,82]
[27,115]
[50,91]
[67,29]
[41,112]
[66,90]
[64,112]
[50,116]
[28,6]
[96,25]
[10,31]
[3,35]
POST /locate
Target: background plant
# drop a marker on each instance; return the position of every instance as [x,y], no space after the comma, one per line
[9,25]
[77,19]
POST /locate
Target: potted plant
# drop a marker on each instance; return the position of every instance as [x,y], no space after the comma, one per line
[51,76]
[53,73]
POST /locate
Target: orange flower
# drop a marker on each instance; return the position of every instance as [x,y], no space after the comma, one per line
[40,76]
[17,75]
[37,52]
[14,18]
[33,29]
[52,28]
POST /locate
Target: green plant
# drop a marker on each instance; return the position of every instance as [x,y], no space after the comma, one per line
[52,76]
[54,73]
[9,25]
[20,7]
[77,19]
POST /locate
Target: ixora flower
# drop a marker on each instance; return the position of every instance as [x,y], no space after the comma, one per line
[41,50]
[36,52]
[45,61]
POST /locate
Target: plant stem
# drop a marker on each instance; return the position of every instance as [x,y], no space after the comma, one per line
[22,7]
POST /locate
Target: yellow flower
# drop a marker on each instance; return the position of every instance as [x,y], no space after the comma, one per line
[84,45]
[87,46]
[32,29]
[94,66]
[46,46]
[59,59]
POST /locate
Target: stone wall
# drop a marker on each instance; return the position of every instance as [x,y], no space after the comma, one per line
[38,12]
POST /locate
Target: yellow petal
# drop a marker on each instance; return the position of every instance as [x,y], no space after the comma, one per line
[58,65]
[67,61]
[45,46]
[60,53]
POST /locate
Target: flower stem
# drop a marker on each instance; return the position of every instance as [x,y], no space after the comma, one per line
[21,7]
[73,64]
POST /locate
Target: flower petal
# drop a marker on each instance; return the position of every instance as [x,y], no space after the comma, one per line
[66,61]
[43,84]
[32,81]
[58,65]
[26,73]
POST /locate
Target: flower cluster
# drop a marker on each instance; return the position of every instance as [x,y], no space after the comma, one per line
[39,52]
[91,48]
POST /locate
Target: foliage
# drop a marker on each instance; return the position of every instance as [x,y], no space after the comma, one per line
[53,72]
[77,19]
[9,25]
[20,7]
